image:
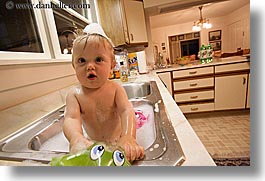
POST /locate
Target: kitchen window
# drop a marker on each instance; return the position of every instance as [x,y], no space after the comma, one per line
[67,27]
[21,32]
[34,34]
[80,6]
[184,45]
[64,24]
[189,47]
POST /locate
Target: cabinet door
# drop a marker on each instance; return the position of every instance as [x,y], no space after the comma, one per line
[230,92]
[123,21]
[111,19]
[134,12]
[165,77]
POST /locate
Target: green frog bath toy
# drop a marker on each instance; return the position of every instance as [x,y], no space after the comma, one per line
[95,155]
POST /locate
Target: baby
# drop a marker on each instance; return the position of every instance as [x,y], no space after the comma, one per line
[100,105]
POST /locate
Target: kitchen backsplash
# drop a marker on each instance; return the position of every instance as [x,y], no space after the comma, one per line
[19,116]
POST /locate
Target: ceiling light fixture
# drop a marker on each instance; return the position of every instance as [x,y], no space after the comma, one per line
[201,23]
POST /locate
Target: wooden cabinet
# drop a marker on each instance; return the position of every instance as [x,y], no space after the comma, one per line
[231,86]
[209,88]
[165,77]
[123,21]
[230,92]
[192,72]
[194,89]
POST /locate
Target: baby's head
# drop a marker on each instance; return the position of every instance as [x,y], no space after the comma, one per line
[93,59]
[82,40]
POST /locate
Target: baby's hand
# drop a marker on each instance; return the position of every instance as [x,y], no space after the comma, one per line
[132,150]
[79,144]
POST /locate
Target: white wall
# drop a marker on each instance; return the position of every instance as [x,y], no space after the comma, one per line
[21,83]
[160,35]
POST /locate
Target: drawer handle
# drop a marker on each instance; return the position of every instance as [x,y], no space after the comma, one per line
[244,80]
[193,97]
[194,108]
[194,72]
[194,84]
[131,36]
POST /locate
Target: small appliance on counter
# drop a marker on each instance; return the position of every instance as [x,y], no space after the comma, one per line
[206,54]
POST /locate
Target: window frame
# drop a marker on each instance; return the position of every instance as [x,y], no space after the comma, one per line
[23,56]
[53,31]
[46,27]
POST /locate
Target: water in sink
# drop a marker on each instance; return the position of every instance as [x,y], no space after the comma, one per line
[46,134]
[145,133]
[57,143]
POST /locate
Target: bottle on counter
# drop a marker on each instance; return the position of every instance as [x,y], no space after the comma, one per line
[210,53]
[203,54]
[123,72]
[116,72]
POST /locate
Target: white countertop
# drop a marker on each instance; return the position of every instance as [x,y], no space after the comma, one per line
[194,151]
[196,64]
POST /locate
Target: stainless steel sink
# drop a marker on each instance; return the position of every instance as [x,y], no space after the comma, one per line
[44,139]
[137,90]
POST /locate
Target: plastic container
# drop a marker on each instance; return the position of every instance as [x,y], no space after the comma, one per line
[123,72]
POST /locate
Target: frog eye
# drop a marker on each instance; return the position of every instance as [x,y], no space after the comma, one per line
[118,158]
[96,152]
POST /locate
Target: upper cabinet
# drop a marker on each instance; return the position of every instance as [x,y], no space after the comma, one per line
[123,21]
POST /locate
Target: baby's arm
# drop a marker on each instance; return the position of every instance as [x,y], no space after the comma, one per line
[72,127]
[128,136]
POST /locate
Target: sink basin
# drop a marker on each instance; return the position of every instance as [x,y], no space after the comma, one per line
[137,90]
[44,139]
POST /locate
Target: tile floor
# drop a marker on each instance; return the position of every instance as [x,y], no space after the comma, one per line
[225,134]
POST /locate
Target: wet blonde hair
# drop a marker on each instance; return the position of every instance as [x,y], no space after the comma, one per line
[96,38]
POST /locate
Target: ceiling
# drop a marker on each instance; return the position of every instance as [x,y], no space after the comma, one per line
[181,11]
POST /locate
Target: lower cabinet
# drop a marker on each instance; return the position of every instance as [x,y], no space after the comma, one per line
[230,92]
[194,89]
[192,108]
[209,88]
[194,96]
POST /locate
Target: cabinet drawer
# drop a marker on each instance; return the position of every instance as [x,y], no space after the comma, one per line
[193,72]
[232,67]
[197,107]
[193,84]
[194,96]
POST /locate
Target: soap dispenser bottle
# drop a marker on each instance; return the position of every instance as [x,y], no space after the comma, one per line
[123,72]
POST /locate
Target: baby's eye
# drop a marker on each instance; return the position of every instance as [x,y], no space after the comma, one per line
[118,158]
[99,59]
[81,60]
[96,152]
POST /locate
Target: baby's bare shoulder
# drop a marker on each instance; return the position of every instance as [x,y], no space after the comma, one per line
[114,85]
[74,91]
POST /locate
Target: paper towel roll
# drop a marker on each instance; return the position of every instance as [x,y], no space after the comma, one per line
[141,57]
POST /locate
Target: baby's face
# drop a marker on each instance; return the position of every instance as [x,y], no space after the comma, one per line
[93,63]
